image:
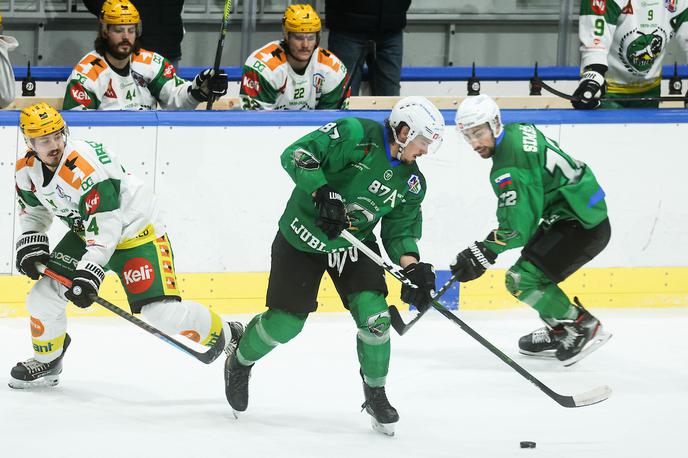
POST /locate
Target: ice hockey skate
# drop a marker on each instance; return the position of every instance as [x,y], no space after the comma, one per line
[236,374]
[583,336]
[383,416]
[542,343]
[31,374]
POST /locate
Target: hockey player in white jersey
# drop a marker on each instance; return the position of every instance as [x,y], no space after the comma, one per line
[114,225]
[119,75]
[622,48]
[295,73]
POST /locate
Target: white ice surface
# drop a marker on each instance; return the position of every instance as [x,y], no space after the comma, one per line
[124,393]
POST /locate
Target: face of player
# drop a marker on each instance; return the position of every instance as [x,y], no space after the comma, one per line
[481,140]
[49,148]
[416,148]
[301,45]
[120,39]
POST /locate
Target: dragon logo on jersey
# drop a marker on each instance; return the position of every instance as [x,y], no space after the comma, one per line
[79,95]
[250,84]
[598,6]
[414,184]
[92,201]
[138,275]
[643,51]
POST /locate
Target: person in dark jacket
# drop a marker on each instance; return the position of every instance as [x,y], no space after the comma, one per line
[163,29]
[353,23]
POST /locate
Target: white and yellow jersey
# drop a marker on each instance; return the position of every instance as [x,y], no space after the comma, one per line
[630,37]
[93,195]
[268,81]
[150,79]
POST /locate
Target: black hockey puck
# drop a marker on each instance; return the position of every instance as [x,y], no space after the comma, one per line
[527,444]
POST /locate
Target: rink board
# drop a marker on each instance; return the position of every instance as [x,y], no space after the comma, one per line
[232,293]
[221,191]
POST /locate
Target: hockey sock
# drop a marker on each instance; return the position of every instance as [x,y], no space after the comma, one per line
[46,304]
[188,318]
[266,331]
[530,285]
[369,310]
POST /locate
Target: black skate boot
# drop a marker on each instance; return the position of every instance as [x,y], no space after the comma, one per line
[236,376]
[383,415]
[583,336]
[237,330]
[33,374]
[543,342]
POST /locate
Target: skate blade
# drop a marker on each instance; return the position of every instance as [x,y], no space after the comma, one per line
[48,381]
[236,414]
[547,354]
[385,428]
[600,339]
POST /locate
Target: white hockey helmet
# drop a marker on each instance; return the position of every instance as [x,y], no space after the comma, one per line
[423,119]
[479,109]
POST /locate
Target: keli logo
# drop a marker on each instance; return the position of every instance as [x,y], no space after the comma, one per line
[138,275]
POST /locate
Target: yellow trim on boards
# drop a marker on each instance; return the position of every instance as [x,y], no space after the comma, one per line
[244,292]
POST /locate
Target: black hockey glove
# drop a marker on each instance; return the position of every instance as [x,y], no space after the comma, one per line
[85,284]
[422,275]
[332,218]
[472,262]
[590,88]
[32,247]
[207,84]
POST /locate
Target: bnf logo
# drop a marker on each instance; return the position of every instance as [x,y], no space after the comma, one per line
[138,275]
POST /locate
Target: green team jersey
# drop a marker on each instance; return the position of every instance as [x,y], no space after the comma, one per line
[353,157]
[535,181]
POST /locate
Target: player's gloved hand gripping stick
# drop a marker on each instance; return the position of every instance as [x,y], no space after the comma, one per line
[205,357]
[594,396]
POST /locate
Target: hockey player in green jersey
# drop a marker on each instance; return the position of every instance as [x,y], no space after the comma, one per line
[119,75]
[622,48]
[114,225]
[351,173]
[548,203]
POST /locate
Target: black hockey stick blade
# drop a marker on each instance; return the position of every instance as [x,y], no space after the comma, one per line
[581,400]
[625,99]
[398,322]
[206,357]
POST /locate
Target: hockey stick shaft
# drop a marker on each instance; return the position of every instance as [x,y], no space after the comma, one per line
[205,357]
[589,398]
[358,68]
[220,47]
[625,99]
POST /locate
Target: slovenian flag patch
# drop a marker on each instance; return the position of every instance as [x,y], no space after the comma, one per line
[503,180]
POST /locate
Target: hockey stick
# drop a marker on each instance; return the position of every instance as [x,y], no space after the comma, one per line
[625,99]
[584,399]
[395,317]
[206,357]
[358,67]
[220,47]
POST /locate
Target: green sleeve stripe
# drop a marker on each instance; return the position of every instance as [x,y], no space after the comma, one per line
[70,101]
[611,14]
[102,197]
[678,21]
[266,93]
[156,84]
[28,198]
[332,100]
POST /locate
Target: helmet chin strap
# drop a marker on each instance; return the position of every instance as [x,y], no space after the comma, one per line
[400,150]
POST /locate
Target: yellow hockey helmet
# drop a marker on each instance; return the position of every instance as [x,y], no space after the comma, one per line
[301,19]
[40,119]
[116,12]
